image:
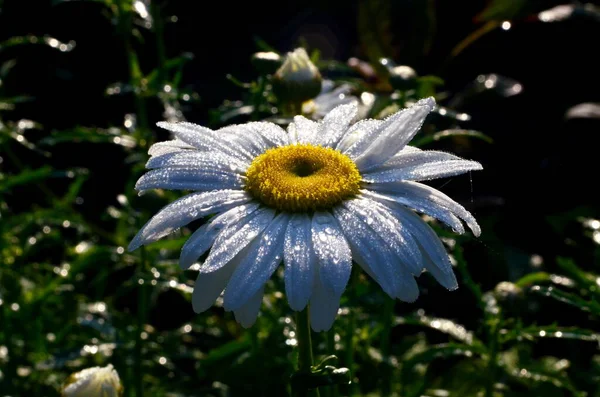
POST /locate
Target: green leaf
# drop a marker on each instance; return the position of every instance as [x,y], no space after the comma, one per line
[450,134]
[552,331]
[26,177]
[443,325]
[502,10]
[568,298]
[533,278]
[91,135]
[37,40]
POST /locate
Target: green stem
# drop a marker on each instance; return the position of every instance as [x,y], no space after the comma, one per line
[141,320]
[305,355]
[388,320]
[349,337]
[493,358]
[331,391]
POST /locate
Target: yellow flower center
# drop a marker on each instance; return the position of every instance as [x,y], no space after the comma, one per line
[302,178]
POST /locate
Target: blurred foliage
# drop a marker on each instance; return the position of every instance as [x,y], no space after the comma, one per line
[71,297]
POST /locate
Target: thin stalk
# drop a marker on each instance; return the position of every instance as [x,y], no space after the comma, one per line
[331,391]
[386,343]
[141,320]
[305,354]
[349,337]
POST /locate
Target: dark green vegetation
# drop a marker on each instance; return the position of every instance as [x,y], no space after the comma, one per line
[76,120]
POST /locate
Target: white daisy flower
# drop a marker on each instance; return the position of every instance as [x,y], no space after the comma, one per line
[94,381]
[317,198]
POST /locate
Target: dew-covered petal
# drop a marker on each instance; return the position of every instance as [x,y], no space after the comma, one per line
[332,251]
[353,134]
[257,137]
[396,235]
[407,290]
[415,195]
[303,130]
[368,249]
[175,145]
[299,260]
[189,178]
[414,158]
[186,209]
[420,166]
[203,238]
[247,314]
[379,145]
[235,238]
[197,159]
[335,124]
[264,255]
[272,134]
[324,305]
[439,264]
[421,205]
[206,139]
[209,286]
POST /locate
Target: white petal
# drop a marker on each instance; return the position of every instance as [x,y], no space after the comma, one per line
[332,251]
[439,264]
[272,134]
[442,276]
[368,249]
[235,238]
[335,124]
[408,290]
[206,139]
[393,134]
[420,171]
[414,158]
[353,134]
[257,137]
[264,255]
[426,207]
[394,233]
[209,286]
[303,130]
[247,314]
[202,239]
[420,194]
[195,158]
[183,211]
[299,260]
[324,305]
[189,178]
[175,145]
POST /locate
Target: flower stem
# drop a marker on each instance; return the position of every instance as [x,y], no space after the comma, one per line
[305,355]
[141,320]
[349,337]
[388,320]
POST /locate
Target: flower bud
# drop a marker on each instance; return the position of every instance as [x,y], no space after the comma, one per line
[298,79]
[95,381]
[266,62]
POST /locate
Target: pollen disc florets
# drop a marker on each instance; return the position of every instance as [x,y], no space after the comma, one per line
[302,178]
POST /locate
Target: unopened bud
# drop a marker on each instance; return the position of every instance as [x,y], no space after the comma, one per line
[298,79]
